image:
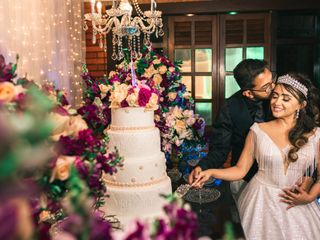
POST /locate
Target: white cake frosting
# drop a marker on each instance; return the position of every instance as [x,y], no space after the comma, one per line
[136,143]
[132,117]
[135,189]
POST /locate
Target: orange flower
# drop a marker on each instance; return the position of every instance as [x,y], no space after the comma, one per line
[62,169]
[7,92]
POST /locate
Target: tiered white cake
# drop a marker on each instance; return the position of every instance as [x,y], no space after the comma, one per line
[135,189]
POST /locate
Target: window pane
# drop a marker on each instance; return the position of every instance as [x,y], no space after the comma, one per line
[203,87]
[230,86]
[203,60]
[186,80]
[232,57]
[255,52]
[205,111]
[183,55]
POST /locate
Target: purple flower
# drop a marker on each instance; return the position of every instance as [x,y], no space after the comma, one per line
[72,224]
[124,104]
[81,167]
[114,79]
[8,221]
[138,233]
[100,229]
[60,110]
[69,147]
[6,71]
[94,179]
[62,98]
[143,97]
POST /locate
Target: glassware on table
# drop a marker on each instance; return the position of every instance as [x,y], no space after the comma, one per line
[200,195]
[174,173]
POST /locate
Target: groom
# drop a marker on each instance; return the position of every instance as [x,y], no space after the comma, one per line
[236,115]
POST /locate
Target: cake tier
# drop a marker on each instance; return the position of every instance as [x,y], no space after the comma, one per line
[134,202]
[140,170]
[136,144]
[131,117]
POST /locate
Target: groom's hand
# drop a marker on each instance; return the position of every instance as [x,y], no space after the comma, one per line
[297,197]
[194,175]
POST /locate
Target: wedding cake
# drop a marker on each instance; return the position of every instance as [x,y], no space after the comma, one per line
[134,191]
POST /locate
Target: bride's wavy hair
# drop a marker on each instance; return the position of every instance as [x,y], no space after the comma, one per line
[308,117]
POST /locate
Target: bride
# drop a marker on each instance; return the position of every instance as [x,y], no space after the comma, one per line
[287,151]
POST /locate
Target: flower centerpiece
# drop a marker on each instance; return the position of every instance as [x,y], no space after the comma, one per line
[70,148]
[154,82]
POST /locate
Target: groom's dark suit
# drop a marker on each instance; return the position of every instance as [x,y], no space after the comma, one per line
[230,129]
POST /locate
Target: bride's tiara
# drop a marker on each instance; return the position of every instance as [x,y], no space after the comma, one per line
[287,79]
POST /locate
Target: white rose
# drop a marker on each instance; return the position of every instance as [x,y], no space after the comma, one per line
[180,126]
[132,99]
[156,61]
[156,117]
[149,72]
[176,111]
[111,74]
[162,69]
[119,93]
[62,168]
[153,101]
[172,96]
[186,95]
[171,69]
[60,123]
[104,89]
[75,125]
[190,121]
[19,89]
[157,78]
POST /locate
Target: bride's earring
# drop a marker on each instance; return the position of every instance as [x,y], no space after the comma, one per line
[297,113]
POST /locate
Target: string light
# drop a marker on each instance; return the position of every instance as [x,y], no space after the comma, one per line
[31,34]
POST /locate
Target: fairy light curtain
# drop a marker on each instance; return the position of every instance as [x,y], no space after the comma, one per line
[47,35]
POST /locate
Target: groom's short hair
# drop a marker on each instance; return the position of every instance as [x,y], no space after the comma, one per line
[247,70]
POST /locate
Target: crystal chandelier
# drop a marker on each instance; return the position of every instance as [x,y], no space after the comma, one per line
[126,29]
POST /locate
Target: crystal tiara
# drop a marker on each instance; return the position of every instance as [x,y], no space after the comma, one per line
[287,79]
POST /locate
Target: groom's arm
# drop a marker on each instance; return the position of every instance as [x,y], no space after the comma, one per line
[219,140]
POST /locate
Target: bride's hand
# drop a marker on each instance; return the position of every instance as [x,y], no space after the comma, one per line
[201,179]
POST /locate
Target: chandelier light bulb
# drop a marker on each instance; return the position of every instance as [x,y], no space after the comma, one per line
[127,30]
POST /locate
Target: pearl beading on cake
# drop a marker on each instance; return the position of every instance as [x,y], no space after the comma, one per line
[287,79]
[118,184]
[116,128]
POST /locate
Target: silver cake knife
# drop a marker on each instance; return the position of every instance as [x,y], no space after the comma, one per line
[182,190]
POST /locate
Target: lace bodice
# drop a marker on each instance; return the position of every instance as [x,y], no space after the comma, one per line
[271,158]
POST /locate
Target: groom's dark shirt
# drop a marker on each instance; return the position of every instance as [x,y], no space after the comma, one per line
[230,129]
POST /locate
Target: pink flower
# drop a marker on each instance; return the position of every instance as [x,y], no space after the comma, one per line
[143,97]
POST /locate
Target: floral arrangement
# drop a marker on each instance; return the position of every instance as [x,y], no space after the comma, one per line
[7,71]
[76,147]
[154,82]
[179,222]
[141,95]
[181,125]
[68,151]
[95,110]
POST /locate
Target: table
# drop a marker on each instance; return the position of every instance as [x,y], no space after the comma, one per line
[213,216]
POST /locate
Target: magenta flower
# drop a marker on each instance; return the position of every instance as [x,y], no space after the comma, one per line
[81,167]
[100,229]
[143,97]
[124,104]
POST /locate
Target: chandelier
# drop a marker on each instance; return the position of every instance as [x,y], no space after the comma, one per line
[127,30]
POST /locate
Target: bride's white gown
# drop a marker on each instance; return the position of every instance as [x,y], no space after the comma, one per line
[262,215]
